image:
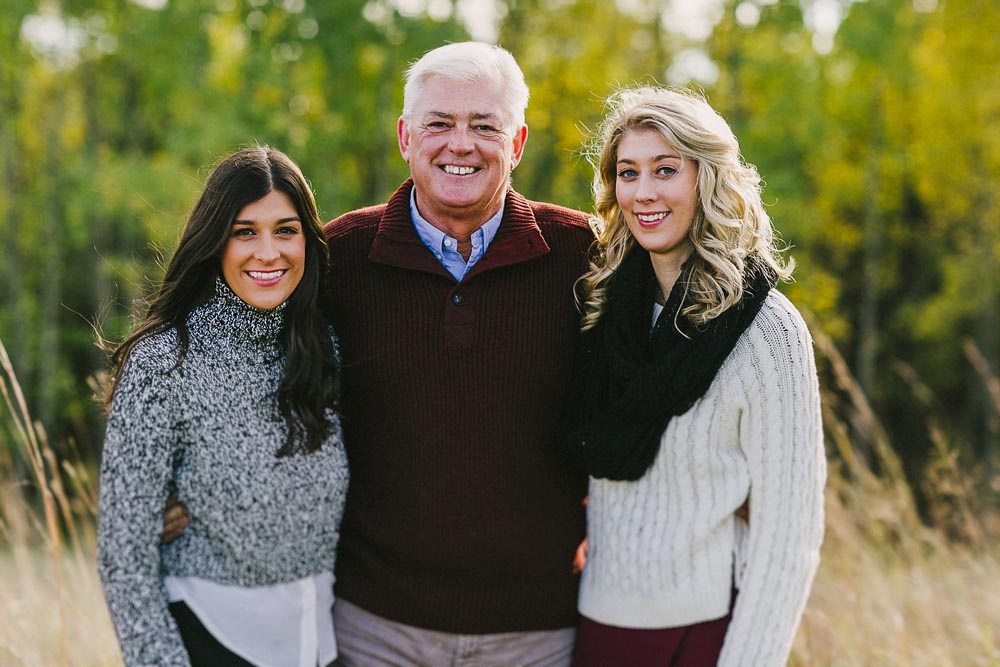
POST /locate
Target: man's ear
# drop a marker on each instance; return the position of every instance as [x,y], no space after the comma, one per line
[403,137]
[520,138]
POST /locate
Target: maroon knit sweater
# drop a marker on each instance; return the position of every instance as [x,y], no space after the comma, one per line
[462,513]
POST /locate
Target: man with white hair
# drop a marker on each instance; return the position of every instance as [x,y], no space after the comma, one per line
[454,307]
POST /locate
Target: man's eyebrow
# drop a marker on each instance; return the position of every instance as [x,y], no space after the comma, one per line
[484,115]
[440,114]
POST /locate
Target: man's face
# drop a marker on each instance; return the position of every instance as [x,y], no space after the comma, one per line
[461,150]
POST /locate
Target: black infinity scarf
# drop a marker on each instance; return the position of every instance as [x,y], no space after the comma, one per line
[629,381]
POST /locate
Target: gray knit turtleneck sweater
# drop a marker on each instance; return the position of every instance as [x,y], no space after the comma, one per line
[208,431]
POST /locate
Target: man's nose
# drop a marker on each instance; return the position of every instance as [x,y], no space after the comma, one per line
[461,139]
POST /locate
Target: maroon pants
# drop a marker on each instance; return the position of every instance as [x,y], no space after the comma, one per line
[698,645]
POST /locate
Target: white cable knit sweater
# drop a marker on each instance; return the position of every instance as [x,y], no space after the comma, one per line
[664,549]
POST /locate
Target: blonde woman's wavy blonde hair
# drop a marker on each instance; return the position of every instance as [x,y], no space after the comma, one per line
[730,225]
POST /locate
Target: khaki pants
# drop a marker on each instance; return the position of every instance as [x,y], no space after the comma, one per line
[367,640]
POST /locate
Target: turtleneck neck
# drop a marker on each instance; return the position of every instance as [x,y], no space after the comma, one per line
[234,317]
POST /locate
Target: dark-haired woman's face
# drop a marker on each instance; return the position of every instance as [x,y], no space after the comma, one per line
[265,256]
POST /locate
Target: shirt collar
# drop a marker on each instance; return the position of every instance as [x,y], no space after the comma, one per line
[396,243]
[434,238]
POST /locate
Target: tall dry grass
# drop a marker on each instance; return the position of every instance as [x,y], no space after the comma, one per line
[51,608]
[891,589]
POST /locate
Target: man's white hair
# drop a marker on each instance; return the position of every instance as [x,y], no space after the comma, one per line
[469,62]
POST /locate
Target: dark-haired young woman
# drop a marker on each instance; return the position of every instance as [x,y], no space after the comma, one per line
[224,396]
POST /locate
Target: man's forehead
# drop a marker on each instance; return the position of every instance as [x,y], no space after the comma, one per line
[469,99]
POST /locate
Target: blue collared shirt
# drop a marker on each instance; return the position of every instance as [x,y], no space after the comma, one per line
[445,248]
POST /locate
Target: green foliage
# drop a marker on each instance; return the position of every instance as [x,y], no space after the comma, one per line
[106,146]
[880,159]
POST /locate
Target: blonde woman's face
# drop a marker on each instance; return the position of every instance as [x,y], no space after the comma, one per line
[657,192]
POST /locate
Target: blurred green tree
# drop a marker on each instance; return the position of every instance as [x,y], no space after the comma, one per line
[878,140]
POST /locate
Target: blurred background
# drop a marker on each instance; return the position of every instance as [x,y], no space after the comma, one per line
[875,124]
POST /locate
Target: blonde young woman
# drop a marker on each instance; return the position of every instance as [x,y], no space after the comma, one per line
[697,396]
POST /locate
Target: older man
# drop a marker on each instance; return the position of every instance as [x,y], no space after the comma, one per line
[454,306]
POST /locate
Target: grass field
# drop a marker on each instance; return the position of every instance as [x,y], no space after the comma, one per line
[891,589]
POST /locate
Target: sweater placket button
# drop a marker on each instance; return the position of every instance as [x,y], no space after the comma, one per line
[456,299]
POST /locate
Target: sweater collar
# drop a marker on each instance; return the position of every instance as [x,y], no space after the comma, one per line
[236,319]
[518,238]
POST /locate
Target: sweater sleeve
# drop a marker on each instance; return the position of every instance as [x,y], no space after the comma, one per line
[136,469]
[781,436]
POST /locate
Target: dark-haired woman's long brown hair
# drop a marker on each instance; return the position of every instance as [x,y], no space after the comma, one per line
[311,382]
